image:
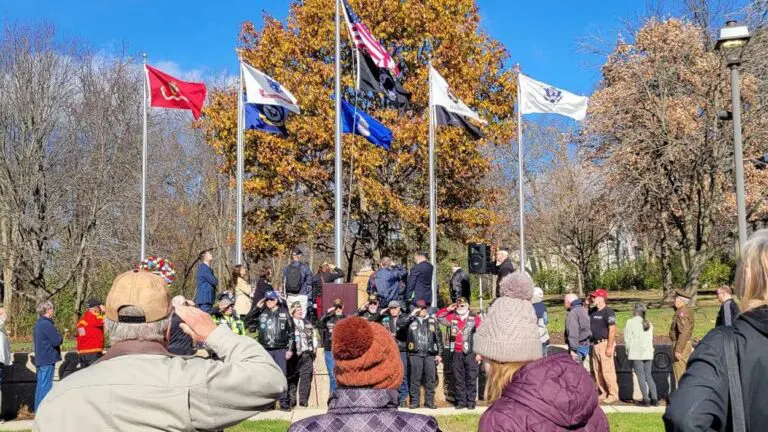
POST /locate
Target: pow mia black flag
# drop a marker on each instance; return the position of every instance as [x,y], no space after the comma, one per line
[445,117]
[380,80]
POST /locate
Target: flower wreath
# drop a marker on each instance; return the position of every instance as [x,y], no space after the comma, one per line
[159,266]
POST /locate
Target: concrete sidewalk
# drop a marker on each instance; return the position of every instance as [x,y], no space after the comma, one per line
[302,413]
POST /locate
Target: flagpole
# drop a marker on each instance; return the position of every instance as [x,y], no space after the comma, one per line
[144,168]
[338,238]
[521,199]
[432,194]
[239,217]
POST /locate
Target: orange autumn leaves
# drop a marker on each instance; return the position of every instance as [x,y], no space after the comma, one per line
[289,180]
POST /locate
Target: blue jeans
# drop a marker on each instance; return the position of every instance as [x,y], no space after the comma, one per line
[403,390]
[329,365]
[44,383]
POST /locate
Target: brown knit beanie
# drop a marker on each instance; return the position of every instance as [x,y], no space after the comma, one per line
[365,355]
[509,332]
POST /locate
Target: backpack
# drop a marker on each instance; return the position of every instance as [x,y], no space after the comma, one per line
[293,279]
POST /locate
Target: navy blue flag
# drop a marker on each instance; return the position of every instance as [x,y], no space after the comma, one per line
[357,122]
[267,118]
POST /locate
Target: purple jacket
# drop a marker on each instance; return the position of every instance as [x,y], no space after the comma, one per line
[365,410]
[551,394]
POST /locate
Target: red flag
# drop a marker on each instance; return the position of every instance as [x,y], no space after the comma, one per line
[166,91]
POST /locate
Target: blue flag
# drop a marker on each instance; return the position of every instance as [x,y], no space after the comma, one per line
[357,122]
[267,118]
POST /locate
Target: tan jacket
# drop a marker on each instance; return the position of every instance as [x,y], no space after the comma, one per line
[243,293]
[156,391]
[361,279]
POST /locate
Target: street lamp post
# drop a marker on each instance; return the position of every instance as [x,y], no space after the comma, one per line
[733,39]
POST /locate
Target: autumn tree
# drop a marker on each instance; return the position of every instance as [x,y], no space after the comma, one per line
[653,127]
[572,213]
[290,180]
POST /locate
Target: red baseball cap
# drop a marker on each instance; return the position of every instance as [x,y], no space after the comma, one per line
[600,293]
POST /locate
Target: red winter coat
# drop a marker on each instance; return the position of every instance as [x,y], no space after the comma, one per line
[552,394]
[90,333]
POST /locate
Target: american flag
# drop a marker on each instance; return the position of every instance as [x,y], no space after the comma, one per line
[365,41]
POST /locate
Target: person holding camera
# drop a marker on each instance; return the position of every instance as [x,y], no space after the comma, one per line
[326,325]
[463,324]
[425,344]
[396,323]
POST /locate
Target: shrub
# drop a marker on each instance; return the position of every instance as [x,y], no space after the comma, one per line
[552,281]
[717,273]
[625,277]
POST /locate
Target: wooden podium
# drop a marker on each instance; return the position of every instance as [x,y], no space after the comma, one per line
[347,292]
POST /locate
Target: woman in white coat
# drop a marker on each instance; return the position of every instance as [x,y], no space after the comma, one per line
[638,338]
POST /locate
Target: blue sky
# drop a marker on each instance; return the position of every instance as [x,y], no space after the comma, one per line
[198,37]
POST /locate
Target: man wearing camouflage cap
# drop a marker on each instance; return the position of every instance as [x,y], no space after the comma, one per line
[139,386]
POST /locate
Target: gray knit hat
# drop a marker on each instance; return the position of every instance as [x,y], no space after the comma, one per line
[509,332]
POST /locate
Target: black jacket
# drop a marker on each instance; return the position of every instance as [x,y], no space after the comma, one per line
[733,307]
[502,270]
[398,328]
[424,338]
[275,327]
[369,316]
[459,285]
[420,283]
[325,325]
[701,400]
[318,279]
[262,286]
[179,343]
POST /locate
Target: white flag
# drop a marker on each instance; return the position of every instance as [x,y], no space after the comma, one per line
[538,97]
[444,97]
[261,89]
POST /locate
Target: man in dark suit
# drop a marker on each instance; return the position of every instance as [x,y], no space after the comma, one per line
[419,286]
[459,284]
[504,266]
[729,309]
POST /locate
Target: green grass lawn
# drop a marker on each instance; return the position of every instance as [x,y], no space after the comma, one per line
[659,314]
[468,423]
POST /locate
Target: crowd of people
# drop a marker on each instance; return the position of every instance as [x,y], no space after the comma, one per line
[264,341]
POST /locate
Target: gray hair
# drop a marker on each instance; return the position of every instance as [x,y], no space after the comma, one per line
[43,307]
[684,300]
[142,332]
[570,297]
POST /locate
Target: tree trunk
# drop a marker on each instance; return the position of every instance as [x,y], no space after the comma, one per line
[664,255]
[81,285]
